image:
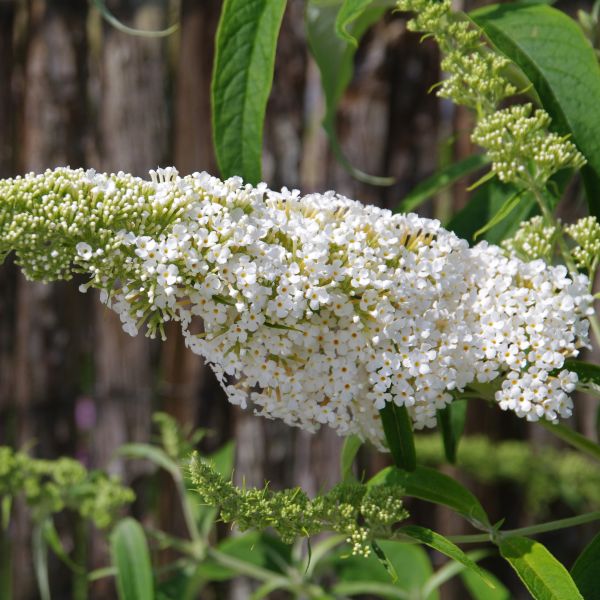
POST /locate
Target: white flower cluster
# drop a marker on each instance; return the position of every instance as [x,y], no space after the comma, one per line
[315,309]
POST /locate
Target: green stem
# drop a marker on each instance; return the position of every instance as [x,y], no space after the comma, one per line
[531,530]
[573,438]
[553,525]
[80,556]
[243,567]
[188,515]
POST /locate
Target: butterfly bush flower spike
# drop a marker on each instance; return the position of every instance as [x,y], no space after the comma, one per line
[313,309]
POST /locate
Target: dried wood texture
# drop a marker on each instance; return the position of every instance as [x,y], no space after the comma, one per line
[49,332]
[133,135]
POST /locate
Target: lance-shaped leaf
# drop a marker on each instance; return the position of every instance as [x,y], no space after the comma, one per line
[397,426]
[451,421]
[241,83]
[552,51]
[351,446]
[334,57]
[586,569]
[441,180]
[432,486]
[480,591]
[131,557]
[349,11]
[484,205]
[445,546]
[543,576]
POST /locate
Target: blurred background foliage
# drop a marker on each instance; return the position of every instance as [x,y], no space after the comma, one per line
[76,91]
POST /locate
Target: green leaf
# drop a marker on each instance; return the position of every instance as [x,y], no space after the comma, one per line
[432,486]
[101,573]
[40,561]
[588,373]
[554,54]
[334,57]
[130,555]
[152,453]
[380,590]
[351,446]
[53,540]
[451,420]
[482,207]
[445,546]
[241,83]
[348,13]
[410,562]
[573,438]
[542,574]
[397,426]
[441,180]
[480,591]
[255,553]
[586,568]
[385,562]
[509,205]
[453,568]
[223,459]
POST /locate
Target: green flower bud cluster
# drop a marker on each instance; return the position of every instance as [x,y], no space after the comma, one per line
[352,509]
[522,149]
[50,486]
[534,239]
[43,219]
[474,72]
[586,232]
[559,475]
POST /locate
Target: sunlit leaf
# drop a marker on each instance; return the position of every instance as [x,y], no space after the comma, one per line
[241,83]
[543,576]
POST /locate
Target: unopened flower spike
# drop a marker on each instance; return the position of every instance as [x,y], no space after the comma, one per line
[312,309]
[517,138]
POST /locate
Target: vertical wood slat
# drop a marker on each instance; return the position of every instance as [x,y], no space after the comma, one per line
[46,338]
[133,136]
[7,271]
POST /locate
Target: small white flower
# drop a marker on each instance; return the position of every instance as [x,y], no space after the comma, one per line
[84,250]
